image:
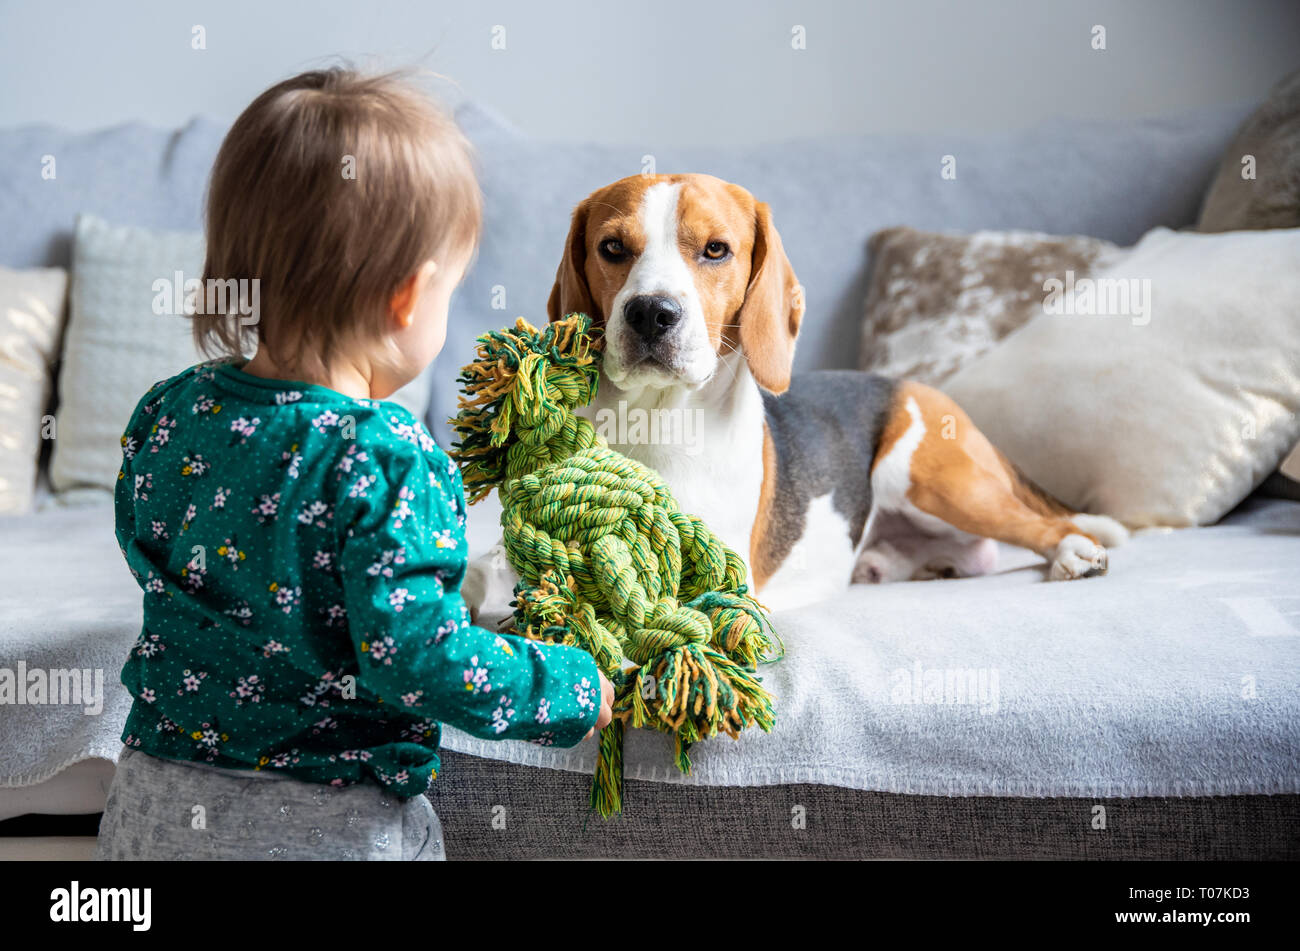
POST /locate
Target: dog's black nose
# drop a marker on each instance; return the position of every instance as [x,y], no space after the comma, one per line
[650,316]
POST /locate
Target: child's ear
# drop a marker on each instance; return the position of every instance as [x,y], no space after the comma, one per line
[401,306]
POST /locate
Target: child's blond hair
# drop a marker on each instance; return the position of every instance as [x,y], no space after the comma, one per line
[330,190]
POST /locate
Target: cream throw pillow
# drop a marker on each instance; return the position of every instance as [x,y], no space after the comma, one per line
[1170,412]
[31,318]
[117,346]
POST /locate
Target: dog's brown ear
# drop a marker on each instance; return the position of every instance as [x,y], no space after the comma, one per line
[773,308]
[571,294]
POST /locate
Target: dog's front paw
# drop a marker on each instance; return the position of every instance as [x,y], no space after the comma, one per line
[1077,557]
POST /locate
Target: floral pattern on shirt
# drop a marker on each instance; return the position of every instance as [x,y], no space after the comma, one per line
[300,554]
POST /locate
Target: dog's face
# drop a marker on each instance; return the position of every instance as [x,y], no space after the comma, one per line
[681,270]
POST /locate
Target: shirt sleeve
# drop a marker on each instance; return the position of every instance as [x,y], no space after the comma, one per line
[402,558]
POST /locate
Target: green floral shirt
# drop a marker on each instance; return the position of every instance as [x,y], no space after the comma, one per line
[301,554]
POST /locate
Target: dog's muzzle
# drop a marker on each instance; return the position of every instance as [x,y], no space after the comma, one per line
[653,340]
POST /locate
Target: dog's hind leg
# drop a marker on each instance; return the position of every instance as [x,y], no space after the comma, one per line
[958,477]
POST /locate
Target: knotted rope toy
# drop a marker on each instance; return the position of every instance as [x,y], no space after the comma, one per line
[607,561]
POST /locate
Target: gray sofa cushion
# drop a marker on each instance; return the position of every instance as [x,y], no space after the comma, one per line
[1109,179]
[130,174]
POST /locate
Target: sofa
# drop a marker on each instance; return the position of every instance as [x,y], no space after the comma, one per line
[991,717]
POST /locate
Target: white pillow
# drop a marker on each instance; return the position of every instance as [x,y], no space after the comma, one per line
[117,347]
[1167,414]
[32,304]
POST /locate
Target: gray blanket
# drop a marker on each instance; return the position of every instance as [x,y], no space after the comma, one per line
[1178,674]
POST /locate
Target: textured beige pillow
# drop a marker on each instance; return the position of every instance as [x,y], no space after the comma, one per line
[31,319]
[938,301]
[1168,411]
[1258,182]
[1290,466]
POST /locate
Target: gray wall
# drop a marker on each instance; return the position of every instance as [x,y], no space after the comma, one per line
[667,72]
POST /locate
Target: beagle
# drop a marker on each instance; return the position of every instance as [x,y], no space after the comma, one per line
[823,478]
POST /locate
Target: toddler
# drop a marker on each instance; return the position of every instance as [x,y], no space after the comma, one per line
[299,539]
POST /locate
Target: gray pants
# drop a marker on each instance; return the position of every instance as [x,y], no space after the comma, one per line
[171,810]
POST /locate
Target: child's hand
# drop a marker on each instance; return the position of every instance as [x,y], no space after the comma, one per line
[606,706]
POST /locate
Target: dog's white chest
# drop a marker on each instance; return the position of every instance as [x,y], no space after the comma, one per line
[707,444]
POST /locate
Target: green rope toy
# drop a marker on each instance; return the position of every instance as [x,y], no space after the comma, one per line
[606,560]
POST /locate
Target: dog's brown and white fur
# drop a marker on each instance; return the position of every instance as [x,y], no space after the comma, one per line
[821,479]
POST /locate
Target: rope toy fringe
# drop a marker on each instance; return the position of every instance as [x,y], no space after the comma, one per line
[606,560]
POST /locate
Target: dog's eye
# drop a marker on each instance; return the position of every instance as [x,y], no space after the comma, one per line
[717,250]
[611,249]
